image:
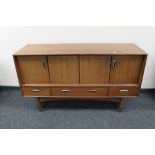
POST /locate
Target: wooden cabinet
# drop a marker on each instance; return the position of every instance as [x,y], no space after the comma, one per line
[82,71]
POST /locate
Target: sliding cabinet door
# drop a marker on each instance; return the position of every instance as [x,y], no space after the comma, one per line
[94,69]
[64,69]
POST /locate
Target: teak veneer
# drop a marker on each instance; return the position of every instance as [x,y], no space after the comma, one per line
[80,71]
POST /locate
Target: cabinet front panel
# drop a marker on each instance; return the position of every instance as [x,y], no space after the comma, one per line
[64,69]
[124,91]
[36,91]
[94,69]
[126,69]
[79,91]
[34,69]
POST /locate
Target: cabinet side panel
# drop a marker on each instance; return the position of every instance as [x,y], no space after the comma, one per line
[17,69]
[142,69]
[18,72]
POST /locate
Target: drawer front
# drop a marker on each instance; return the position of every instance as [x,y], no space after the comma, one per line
[36,91]
[124,91]
[78,91]
[93,91]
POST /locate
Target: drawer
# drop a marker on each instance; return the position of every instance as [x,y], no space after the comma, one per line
[124,91]
[36,91]
[93,91]
[79,91]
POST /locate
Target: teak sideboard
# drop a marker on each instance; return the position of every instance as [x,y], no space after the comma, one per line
[80,71]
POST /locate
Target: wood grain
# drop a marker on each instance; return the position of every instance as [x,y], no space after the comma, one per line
[32,70]
[127,69]
[78,85]
[81,49]
[64,69]
[94,69]
[80,71]
[118,91]
[142,69]
[79,91]
[42,91]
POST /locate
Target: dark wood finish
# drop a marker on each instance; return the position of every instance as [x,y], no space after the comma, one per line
[44,99]
[124,91]
[121,105]
[32,69]
[36,91]
[79,91]
[94,69]
[38,104]
[126,69]
[64,69]
[88,71]
[142,69]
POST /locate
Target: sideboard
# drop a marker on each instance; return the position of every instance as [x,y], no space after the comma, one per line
[80,71]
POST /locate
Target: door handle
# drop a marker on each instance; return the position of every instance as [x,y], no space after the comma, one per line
[114,63]
[45,64]
[35,90]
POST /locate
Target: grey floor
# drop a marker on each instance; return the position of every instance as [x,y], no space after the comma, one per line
[17,112]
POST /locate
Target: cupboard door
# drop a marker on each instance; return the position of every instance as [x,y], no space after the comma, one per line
[126,69]
[94,69]
[64,69]
[34,69]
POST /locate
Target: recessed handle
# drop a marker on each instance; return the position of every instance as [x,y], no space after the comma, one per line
[45,63]
[92,90]
[114,63]
[35,90]
[124,90]
[65,90]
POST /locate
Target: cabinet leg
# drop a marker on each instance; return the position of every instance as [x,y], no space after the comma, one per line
[38,104]
[121,105]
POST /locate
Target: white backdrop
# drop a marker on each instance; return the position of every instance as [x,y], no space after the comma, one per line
[13,38]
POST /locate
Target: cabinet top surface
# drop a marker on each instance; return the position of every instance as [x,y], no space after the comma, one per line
[81,49]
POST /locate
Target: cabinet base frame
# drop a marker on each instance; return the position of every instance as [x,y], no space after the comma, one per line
[39,101]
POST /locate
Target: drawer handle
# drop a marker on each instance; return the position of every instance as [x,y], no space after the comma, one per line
[92,90]
[124,90]
[35,90]
[65,90]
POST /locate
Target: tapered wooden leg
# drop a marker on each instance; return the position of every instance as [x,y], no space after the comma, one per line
[38,104]
[121,105]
